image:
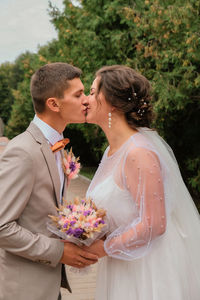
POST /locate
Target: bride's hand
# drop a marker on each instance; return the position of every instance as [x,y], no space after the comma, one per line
[96,248]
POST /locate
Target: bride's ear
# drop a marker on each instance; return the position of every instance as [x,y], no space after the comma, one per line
[53,104]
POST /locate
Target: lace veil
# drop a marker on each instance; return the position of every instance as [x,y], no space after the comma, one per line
[137,163]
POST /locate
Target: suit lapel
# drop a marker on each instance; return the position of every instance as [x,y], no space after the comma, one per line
[49,158]
[53,170]
[65,181]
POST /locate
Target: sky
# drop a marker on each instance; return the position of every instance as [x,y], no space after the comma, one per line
[24,24]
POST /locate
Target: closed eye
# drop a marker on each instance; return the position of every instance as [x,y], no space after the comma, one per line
[92,91]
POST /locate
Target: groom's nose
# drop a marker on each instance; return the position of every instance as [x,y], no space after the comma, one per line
[85,101]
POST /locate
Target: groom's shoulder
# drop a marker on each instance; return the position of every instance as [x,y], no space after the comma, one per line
[26,141]
[22,139]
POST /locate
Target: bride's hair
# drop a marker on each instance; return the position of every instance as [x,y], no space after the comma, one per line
[128,91]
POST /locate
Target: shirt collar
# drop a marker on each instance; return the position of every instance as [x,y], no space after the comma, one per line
[50,133]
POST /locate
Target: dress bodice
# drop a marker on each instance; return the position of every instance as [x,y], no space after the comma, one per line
[118,203]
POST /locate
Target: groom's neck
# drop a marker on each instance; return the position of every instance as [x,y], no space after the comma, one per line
[53,121]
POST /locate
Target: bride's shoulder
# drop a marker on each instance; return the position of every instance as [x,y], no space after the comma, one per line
[139,140]
[141,150]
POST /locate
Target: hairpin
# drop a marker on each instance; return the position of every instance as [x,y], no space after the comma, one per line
[142,100]
[141,112]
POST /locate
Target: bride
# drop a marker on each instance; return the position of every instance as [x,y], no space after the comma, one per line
[152,249]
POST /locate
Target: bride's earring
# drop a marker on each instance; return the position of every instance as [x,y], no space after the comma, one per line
[109,119]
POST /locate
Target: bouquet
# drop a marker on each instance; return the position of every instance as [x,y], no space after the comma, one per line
[79,222]
[71,165]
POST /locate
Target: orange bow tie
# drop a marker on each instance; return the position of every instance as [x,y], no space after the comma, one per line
[60,145]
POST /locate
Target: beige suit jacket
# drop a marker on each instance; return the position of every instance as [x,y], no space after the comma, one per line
[29,192]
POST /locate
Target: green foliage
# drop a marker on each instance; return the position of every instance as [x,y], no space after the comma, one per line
[88,142]
[22,109]
[159,38]
[88,171]
[6,97]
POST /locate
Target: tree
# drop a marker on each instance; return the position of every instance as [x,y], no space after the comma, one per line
[160,39]
[22,110]
[6,97]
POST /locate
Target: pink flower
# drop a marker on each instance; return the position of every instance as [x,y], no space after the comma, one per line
[71,166]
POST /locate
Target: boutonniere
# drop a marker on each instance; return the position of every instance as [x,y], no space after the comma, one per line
[71,165]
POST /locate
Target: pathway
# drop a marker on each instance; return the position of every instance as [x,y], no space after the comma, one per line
[83,286]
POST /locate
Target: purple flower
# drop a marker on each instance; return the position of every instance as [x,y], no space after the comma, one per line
[72,166]
[78,232]
[65,225]
[72,222]
[70,231]
[70,207]
[102,222]
[86,213]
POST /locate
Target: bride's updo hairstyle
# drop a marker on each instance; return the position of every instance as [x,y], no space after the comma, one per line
[128,91]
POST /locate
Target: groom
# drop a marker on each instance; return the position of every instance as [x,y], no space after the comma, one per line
[31,186]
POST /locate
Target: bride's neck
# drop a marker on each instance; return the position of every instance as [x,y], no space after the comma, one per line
[118,134]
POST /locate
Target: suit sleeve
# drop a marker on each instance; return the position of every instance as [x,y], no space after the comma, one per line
[17,175]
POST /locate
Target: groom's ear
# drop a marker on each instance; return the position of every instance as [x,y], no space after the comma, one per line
[53,104]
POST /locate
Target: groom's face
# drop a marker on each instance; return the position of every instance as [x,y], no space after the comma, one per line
[71,106]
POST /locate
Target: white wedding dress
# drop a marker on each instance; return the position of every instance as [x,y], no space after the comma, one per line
[153,243]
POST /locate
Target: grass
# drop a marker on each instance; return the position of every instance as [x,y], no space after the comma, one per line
[88,171]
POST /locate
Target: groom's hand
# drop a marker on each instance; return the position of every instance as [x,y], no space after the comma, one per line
[77,257]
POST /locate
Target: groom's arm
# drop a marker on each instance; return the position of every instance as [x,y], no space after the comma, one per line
[17,177]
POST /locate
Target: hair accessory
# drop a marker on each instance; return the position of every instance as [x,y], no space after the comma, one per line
[129,99]
[144,102]
[141,112]
[135,94]
[109,119]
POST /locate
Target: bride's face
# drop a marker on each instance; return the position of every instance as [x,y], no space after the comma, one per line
[98,108]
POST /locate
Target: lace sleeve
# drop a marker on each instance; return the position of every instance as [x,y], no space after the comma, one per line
[143,178]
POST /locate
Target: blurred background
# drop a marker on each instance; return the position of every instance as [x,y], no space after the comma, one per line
[160,39]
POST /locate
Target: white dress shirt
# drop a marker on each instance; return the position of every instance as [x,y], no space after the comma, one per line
[52,137]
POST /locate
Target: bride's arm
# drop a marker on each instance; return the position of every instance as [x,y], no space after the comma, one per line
[143,179]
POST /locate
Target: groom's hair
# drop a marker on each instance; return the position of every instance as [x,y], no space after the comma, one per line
[50,81]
